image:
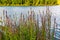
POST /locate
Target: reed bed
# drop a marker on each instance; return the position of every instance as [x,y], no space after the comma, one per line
[28,28]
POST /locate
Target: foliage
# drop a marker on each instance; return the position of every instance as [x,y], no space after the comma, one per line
[27,2]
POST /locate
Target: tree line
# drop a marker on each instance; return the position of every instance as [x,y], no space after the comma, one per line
[28,2]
